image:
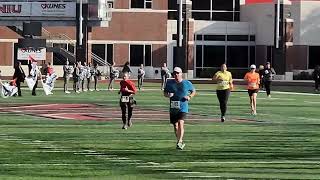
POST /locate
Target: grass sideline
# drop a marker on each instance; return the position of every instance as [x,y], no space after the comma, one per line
[282,142]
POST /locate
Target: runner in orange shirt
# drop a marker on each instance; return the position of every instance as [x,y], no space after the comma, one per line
[253,80]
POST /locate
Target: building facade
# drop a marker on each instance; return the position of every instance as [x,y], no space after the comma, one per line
[235,32]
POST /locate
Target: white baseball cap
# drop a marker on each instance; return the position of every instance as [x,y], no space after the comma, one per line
[177,69]
[253,66]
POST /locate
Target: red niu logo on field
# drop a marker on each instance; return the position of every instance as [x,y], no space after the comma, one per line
[53,6]
[10,8]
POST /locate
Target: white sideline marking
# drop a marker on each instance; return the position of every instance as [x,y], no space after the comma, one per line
[125,160]
[265,98]
[312,102]
[184,172]
[201,176]
[171,169]
[155,166]
[56,164]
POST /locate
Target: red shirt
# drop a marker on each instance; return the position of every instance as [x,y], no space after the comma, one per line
[130,85]
[50,70]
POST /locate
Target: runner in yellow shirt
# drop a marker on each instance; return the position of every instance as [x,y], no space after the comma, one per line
[224,86]
[253,80]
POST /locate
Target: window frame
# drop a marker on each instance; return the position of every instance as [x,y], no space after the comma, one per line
[145,2]
[144,54]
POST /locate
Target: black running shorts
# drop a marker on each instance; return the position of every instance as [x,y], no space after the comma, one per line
[251,91]
[175,117]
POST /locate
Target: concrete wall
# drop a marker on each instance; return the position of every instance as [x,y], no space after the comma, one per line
[262,15]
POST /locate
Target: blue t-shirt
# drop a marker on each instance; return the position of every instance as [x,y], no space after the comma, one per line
[180,90]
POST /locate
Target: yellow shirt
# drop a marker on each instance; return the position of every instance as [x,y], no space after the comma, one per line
[223,80]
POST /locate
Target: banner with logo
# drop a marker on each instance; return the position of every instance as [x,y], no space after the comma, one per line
[34,9]
[35,53]
[54,9]
[15,9]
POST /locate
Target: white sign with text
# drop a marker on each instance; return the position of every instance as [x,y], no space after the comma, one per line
[35,53]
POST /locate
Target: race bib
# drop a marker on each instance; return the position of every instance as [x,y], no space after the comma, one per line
[125,99]
[223,83]
[253,85]
[175,105]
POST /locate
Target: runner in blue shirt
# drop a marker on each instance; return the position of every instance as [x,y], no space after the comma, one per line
[180,92]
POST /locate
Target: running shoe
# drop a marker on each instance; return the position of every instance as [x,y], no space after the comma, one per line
[124,126]
[181,145]
[223,118]
[129,123]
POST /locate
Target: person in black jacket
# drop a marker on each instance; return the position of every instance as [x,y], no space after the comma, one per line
[19,75]
[268,74]
[316,77]
[126,68]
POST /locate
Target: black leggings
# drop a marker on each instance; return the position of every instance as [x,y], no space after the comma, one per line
[316,84]
[267,85]
[223,96]
[124,107]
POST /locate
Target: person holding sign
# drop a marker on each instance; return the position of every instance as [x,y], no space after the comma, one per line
[180,92]
[253,80]
[127,91]
[224,86]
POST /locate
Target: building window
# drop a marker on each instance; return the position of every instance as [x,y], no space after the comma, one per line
[214,37]
[216,10]
[213,56]
[140,54]
[313,56]
[144,4]
[238,38]
[58,58]
[104,52]
[237,56]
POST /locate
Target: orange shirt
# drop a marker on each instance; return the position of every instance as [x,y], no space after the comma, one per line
[253,80]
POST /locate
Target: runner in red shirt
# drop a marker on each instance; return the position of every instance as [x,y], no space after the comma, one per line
[127,91]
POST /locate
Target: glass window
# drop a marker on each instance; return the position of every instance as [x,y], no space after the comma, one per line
[237,37]
[252,54]
[214,37]
[140,54]
[172,15]
[58,58]
[252,38]
[201,15]
[199,56]
[136,55]
[222,16]
[313,56]
[99,50]
[110,53]
[200,4]
[226,5]
[141,3]
[213,56]
[236,16]
[237,5]
[237,56]
[199,37]
[147,55]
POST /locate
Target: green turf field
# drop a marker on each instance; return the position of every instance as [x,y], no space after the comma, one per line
[281,142]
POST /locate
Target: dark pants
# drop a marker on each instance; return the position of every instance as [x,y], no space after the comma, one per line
[95,82]
[88,83]
[267,85]
[124,107]
[34,88]
[140,82]
[316,84]
[163,81]
[19,88]
[223,96]
[110,86]
[65,83]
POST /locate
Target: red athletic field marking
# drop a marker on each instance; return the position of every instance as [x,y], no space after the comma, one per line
[100,113]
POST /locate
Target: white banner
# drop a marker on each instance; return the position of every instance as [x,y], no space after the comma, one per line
[40,9]
[15,9]
[35,53]
[54,9]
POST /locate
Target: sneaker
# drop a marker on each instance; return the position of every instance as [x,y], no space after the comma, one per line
[181,145]
[91,90]
[269,96]
[223,118]
[67,92]
[124,127]
[97,90]
[129,123]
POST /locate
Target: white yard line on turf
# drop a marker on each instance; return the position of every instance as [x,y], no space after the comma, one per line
[312,102]
[250,162]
